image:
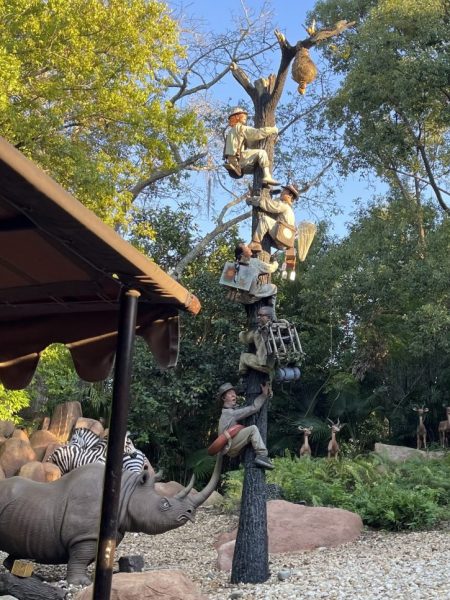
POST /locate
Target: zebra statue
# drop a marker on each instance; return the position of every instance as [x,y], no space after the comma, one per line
[86,447]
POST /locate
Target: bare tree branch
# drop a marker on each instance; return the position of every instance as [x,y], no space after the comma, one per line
[157,175]
[300,116]
[242,78]
[324,34]
[421,149]
[201,246]
[414,176]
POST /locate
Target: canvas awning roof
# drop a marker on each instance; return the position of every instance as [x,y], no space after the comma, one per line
[62,271]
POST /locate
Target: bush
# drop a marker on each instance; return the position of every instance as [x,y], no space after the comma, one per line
[389,506]
[407,496]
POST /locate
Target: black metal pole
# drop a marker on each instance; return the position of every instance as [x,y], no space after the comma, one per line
[114,457]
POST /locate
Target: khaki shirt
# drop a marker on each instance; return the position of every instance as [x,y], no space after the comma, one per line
[241,137]
[231,416]
[282,210]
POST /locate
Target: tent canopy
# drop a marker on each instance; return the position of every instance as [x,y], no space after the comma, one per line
[62,271]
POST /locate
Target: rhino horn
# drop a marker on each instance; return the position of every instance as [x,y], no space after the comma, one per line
[206,492]
[184,492]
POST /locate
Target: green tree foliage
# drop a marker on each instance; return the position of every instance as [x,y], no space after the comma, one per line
[82,94]
[56,382]
[393,101]
[11,403]
[174,413]
[375,325]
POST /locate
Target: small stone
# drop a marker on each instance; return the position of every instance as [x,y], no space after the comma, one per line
[131,564]
[235,595]
[283,575]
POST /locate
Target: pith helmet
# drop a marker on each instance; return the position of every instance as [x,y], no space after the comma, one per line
[237,110]
[225,387]
[291,189]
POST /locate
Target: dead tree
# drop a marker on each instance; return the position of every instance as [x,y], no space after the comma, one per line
[421,429]
[444,429]
[251,556]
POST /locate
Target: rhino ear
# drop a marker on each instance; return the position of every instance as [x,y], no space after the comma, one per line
[144,477]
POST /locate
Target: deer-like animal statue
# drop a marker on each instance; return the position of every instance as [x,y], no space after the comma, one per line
[421,429]
[333,446]
[444,429]
[305,449]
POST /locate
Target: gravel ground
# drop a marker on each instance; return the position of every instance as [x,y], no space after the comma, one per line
[379,566]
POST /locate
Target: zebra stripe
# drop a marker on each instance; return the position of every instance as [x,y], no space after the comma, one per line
[84,438]
[77,453]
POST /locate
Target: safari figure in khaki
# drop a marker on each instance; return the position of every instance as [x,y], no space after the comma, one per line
[258,289]
[230,417]
[275,217]
[240,157]
[261,360]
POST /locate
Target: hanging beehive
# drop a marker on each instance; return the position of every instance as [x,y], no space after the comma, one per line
[304,71]
[306,233]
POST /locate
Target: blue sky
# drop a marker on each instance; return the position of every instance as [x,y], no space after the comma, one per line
[290,17]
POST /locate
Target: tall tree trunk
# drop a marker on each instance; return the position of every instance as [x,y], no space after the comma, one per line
[251,555]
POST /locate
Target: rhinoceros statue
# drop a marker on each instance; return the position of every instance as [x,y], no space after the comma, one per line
[58,522]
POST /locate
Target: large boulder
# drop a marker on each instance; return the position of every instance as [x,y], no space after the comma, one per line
[40,440]
[296,528]
[91,424]
[20,434]
[50,449]
[6,428]
[33,470]
[52,472]
[14,453]
[41,472]
[402,453]
[63,420]
[163,584]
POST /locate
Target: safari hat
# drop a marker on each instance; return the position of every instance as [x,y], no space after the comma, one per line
[225,387]
[237,110]
[291,189]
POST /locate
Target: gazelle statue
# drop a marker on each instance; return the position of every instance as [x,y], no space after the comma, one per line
[305,449]
[421,430]
[333,446]
[444,429]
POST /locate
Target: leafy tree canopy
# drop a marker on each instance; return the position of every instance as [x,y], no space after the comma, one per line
[11,402]
[393,101]
[82,94]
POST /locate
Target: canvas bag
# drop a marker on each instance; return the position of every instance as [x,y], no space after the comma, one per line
[284,235]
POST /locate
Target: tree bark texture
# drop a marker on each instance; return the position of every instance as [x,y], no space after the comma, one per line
[251,553]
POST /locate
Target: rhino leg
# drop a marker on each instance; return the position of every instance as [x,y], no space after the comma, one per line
[81,555]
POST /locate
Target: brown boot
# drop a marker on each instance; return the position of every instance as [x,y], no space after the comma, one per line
[255,247]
